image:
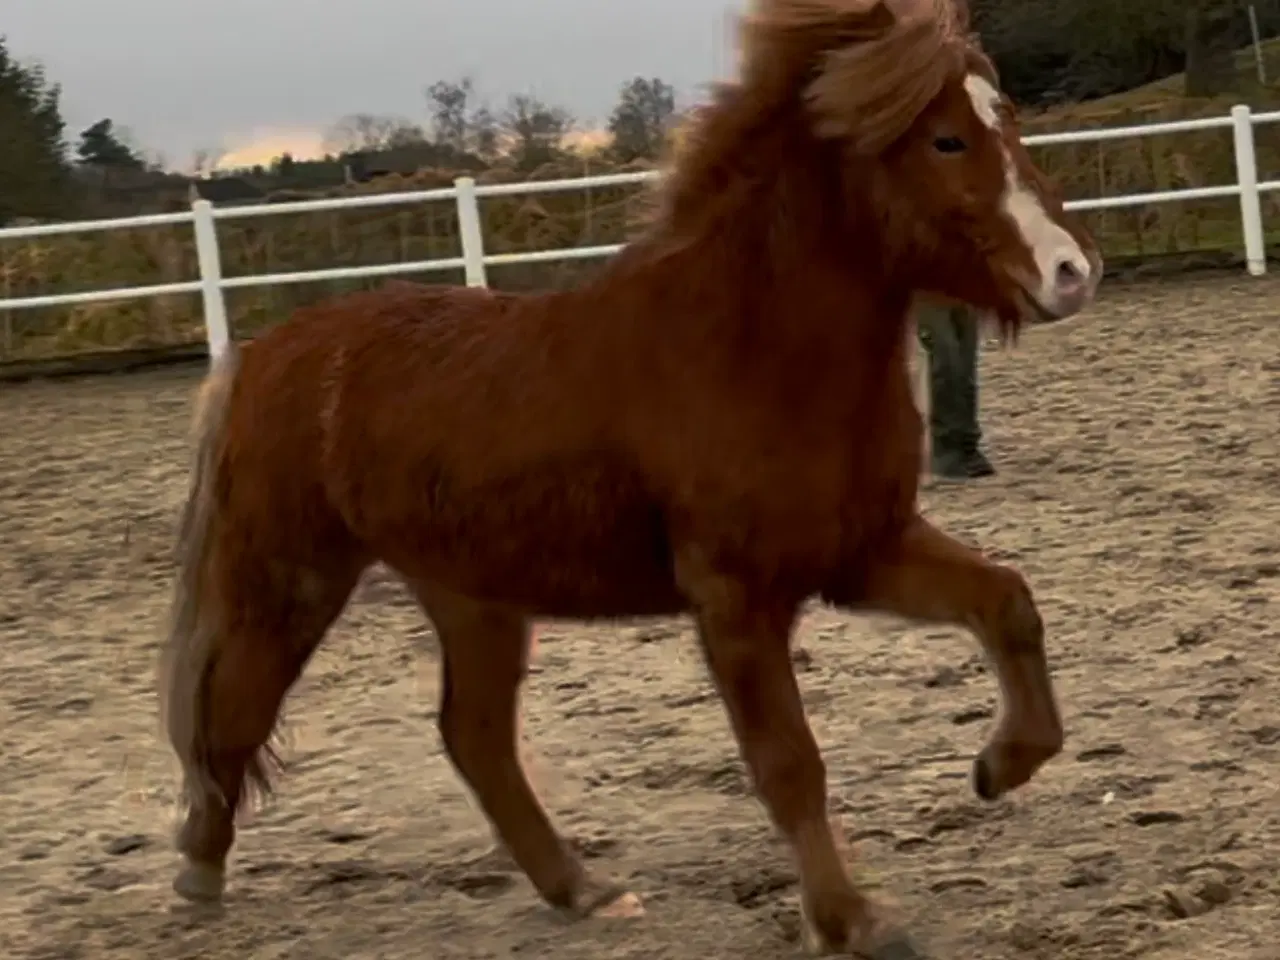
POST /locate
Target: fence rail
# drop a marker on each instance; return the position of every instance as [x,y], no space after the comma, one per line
[467,194]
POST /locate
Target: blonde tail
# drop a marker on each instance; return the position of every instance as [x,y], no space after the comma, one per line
[195,619]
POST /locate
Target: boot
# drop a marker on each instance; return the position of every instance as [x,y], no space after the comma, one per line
[950,336]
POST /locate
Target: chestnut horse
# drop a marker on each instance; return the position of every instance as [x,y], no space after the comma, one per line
[719,423]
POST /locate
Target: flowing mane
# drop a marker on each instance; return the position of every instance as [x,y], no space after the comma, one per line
[877,73]
[820,80]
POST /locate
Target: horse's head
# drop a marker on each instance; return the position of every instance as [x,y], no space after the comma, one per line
[930,152]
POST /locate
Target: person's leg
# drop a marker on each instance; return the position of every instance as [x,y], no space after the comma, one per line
[951,336]
[968,331]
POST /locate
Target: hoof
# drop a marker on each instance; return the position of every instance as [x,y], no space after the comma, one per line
[984,781]
[627,906]
[1003,766]
[895,947]
[874,941]
[200,883]
[601,898]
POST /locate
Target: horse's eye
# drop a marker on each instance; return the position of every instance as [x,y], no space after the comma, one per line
[948,145]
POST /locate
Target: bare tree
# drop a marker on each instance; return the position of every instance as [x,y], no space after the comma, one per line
[369,131]
[205,160]
[536,130]
[155,160]
[485,139]
[406,135]
[447,101]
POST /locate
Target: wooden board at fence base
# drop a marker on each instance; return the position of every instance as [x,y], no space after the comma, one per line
[1135,491]
[103,361]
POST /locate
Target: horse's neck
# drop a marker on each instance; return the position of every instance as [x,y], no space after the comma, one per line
[832,359]
[753,271]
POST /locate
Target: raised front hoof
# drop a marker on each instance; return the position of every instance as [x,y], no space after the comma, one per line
[200,882]
[984,781]
[596,897]
[877,941]
[1002,767]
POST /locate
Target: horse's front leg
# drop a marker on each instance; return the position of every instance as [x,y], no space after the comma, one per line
[930,577]
[745,638]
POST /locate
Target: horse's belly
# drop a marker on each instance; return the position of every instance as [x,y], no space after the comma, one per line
[564,543]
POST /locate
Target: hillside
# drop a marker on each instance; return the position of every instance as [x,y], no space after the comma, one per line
[1166,94]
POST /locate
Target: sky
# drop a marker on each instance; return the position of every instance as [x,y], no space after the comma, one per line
[257,78]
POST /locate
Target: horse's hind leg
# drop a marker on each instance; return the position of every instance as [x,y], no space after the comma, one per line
[484,659]
[275,618]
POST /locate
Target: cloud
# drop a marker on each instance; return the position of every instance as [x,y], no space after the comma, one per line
[265,146]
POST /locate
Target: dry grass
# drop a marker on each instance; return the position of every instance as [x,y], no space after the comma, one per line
[597,216]
[280,244]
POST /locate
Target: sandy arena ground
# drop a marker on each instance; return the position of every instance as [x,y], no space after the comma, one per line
[1140,493]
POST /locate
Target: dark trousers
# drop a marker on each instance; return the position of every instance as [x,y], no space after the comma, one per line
[950,336]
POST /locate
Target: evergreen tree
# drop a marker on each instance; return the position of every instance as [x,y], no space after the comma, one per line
[35,176]
[101,145]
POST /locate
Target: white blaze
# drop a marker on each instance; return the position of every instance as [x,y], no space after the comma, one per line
[1050,245]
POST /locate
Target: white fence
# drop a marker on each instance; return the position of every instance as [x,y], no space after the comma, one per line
[204,218]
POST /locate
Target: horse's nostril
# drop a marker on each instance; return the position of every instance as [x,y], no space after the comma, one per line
[1069,274]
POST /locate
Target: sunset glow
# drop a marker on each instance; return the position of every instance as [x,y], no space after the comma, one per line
[262,148]
[265,147]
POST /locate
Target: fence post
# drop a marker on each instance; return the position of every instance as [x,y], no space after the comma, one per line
[216,328]
[470,232]
[1255,248]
